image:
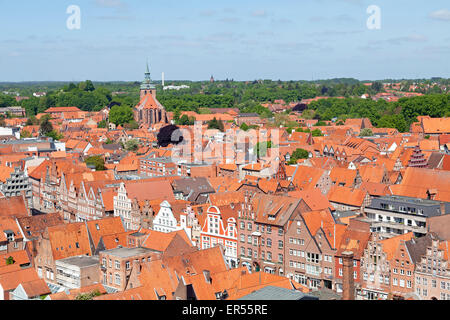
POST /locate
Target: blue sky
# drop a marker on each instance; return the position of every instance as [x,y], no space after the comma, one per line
[243,40]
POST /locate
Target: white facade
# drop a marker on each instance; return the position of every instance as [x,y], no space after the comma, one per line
[122,208]
[165,221]
[215,232]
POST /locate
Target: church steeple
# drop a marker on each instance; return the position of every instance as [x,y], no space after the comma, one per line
[147,86]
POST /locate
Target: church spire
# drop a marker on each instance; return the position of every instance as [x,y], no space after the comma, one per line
[147,74]
[147,86]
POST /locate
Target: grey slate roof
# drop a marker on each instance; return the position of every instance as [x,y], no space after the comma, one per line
[418,247]
[276,293]
[326,294]
[193,188]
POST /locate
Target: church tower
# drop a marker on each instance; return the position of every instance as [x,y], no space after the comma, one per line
[147,86]
[149,111]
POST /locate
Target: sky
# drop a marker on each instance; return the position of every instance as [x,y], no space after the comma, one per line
[234,39]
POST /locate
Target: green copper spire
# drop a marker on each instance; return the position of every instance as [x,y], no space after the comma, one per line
[147,83]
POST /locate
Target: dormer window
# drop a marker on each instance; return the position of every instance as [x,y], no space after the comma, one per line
[9,235]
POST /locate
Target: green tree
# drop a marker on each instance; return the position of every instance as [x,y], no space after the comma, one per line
[132,125]
[55,135]
[366,132]
[102,124]
[244,127]
[96,161]
[216,124]
[260,148]
[298,154]
[317,133]
[86,86]
[88,296]
[10,260]
[376,86]
[132,145]
[46,126]
[119,115]
[25,134]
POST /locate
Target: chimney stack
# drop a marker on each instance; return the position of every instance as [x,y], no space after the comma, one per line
[442,208]
[348,286]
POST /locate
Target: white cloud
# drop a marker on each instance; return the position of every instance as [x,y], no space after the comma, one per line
[443,14]
[259,13]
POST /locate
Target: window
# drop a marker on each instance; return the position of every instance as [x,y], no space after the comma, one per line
[340,260]
[249,252]
[117,280]
[127,265]
[117,264]
[424,292]
[395,281]
[269,243]
[269,229]
[104,262]
[280,231]
[312,257]
[433,283]
[269,256]
[355,263]
[242,238]
[249,226]
[242,225]
[355,275]
[280,244]
[280,258]
[408,284]
[249,239]
[340,272]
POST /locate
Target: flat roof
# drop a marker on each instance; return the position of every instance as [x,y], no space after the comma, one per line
[277,293]
[80,261]
[425,202]
[127,252]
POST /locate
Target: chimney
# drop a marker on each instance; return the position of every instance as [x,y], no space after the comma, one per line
[348,285]
[442,205]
